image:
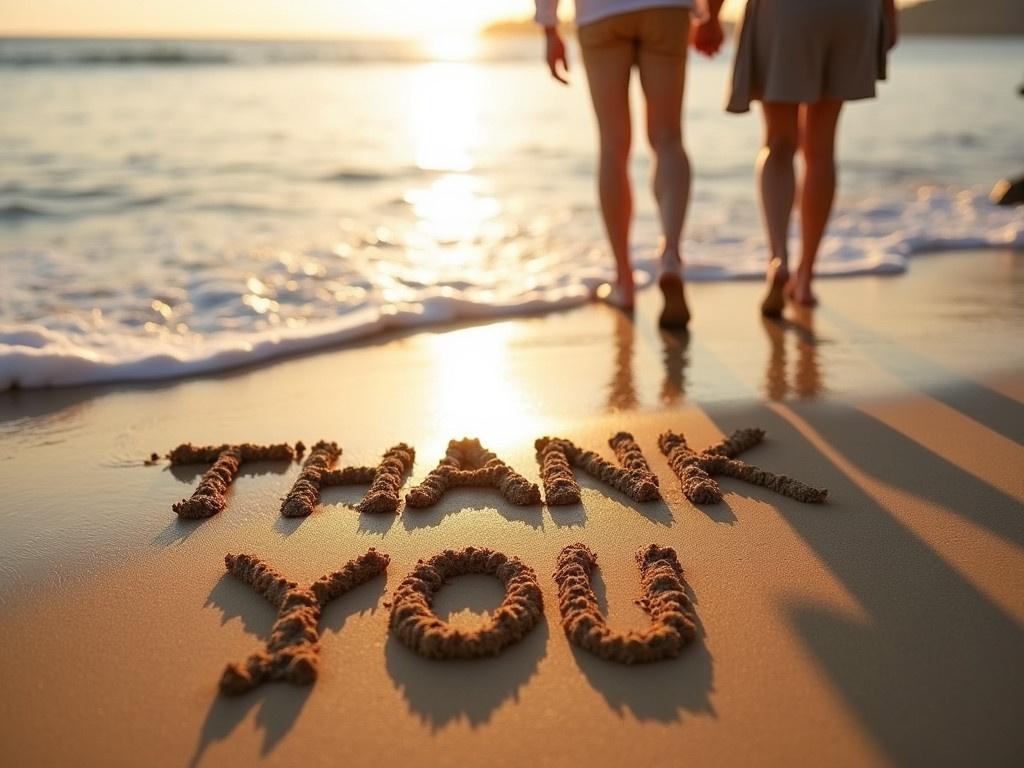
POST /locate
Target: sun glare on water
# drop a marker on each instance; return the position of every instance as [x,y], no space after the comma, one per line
[458,46]
[477,391]
[443,116]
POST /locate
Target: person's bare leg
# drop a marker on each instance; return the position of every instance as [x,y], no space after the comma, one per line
[608,69]
[663,78]
[818,124]
[776,182]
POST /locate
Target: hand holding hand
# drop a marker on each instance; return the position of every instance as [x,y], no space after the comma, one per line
[556,55]
[707,36]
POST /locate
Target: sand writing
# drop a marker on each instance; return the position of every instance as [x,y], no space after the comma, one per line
[414,622]
[663,597]
[291,654]
[695,470]
[305,493]
[557,456]
[468,463]
[385,480]
[388,477]
[208,498]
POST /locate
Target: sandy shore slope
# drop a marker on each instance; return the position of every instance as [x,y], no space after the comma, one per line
[884,627]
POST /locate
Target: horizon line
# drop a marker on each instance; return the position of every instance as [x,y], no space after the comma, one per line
[261,37]
[257,37]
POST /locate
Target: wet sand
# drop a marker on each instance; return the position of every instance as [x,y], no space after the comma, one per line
[883,627]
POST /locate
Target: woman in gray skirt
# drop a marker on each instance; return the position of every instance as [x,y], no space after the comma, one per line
[801,59]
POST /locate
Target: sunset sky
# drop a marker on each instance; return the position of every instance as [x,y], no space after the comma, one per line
[260,18]
[265,18]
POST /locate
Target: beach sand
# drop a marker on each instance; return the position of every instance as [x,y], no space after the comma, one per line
[884,627]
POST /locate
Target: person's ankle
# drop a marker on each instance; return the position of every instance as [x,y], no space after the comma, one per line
[616,295]
[671,262]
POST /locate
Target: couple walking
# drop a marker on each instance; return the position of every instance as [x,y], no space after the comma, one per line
[800,58]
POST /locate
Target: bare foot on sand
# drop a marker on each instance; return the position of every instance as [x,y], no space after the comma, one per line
[618,295]
[798,290]
[675,313]
[775,299]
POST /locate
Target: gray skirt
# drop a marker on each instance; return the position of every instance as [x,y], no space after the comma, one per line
[806,51]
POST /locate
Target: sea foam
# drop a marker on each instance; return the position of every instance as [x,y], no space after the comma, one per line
[210,315]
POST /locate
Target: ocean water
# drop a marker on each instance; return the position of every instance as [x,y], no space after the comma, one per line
[172,208]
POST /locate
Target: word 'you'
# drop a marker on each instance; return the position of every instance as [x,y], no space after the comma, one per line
[291,653]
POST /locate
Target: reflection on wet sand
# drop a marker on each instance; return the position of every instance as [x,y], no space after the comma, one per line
[793,370]
[805,381]
[675,358]
[622,389]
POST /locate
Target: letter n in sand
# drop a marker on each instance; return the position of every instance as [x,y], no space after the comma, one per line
[558,456]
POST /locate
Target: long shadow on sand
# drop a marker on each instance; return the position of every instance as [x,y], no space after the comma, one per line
[656,511]
[278,707]
[899,461]
[333,501]
[369,525]
[440,692]
[569,516]
[984,405]
[279,704]
[179,529]
[658,692]
[176,531]
[720,513]
[934,674]
[454,502]
[344,501]
[190,473]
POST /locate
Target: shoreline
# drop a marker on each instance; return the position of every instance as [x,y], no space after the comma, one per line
[256,351]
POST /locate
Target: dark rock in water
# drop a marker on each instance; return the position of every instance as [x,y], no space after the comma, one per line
[1008,192]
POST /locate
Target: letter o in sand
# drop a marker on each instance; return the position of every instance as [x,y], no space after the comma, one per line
[414,622]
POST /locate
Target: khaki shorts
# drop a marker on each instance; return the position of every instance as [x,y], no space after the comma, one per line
[663,31]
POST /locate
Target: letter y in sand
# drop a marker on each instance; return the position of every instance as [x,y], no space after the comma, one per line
[291,652]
